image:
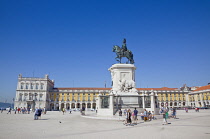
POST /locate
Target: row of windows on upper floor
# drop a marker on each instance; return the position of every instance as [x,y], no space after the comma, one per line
[31,86]
[73,99]
[171,95]
[78,94]
[160,95]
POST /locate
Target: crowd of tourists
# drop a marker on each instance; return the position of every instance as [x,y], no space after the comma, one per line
[23,110]
[132,116]
[146,116]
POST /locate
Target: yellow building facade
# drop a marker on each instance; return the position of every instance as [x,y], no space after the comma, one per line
[200,97]
[40,92]
[75,98]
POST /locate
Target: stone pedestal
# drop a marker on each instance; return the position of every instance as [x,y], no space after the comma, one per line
[124,86]
[123,79]
[124,94]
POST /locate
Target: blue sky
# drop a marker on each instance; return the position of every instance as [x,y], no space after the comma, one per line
[72,41]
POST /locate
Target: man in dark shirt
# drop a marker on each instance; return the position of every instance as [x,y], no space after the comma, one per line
[135,115]
[174,113]
[120,112]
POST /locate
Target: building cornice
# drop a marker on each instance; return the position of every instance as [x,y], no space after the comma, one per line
[201,91]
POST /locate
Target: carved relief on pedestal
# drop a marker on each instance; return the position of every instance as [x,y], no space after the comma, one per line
[126,85]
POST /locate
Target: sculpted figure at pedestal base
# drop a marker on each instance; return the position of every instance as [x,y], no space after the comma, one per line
[127,85]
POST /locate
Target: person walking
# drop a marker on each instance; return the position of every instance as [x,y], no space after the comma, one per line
[186,110]
[63,110]
[165,117]
[129,116]
[36,114]
[28,109]
[153,115]
[9,111]
[135,115]
[83,110]
[126,118]
[23,110]
[16,110]
[145,115]
[39,112]
[132,115]
[174,113]
[125,111]
[120,114]
[44,111]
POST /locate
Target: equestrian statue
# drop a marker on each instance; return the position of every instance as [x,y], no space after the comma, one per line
[123,52]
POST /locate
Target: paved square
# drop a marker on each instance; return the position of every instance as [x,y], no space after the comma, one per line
[55,125]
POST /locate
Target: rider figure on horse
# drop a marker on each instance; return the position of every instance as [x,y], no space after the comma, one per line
[123,52]
[124,47]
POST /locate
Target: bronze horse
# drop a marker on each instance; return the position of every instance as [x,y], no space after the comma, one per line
[120,52]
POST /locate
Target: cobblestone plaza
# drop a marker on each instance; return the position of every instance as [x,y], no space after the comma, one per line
[54,125]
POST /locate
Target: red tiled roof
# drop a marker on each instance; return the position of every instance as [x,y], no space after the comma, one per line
[203,88]
[83,88]
[162,89]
